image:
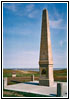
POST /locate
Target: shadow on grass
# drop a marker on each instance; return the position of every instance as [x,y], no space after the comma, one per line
[32,83]
[16,82]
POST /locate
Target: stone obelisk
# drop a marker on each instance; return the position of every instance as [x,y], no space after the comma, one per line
[45,60]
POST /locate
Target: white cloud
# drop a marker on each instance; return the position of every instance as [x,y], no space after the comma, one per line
[56,13]
[10,6]
[61,42]
[33,14]
[28,11]
[57,24]
[29,7]
[57,20]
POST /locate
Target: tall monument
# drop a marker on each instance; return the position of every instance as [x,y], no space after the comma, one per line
[45,60]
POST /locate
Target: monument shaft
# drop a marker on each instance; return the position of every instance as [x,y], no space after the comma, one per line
[45,60]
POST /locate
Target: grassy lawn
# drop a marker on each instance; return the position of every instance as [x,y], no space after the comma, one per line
[10,93]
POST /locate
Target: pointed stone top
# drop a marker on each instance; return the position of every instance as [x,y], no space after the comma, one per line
[45,47]
[45,9]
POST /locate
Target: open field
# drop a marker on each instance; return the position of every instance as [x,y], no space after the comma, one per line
[19,73]
[59,75]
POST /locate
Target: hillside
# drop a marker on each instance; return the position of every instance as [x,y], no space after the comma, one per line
[59,75]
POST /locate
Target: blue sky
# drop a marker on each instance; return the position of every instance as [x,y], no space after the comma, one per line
[22,33]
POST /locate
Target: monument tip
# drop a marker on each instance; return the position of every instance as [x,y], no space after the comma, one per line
[44,9]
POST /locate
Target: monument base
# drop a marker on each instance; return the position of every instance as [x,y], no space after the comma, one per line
[45,82]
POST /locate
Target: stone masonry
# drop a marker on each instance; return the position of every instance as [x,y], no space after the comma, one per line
[45,60]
